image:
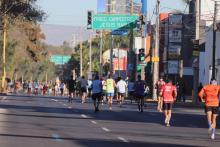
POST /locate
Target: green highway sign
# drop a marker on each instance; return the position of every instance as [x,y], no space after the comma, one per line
[60,59]
[113,21]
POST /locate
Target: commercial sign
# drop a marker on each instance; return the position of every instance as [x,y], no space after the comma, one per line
[175,21]
[120,64]
[173,67]
[175,36]
[113,21]
[174,51]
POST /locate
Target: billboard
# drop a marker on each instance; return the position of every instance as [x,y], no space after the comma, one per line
[101,6]
[174,51]
[175,21]
[173,67]
[175,36]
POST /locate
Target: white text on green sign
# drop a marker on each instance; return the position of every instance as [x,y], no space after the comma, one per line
[113,21]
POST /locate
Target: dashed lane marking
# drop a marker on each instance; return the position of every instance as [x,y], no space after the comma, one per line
[94,122]
[64,104]
[84,116]
[54,100]
[123,139]
[3,98]
[218,133]
[70,107]
[105,129]
[56,137]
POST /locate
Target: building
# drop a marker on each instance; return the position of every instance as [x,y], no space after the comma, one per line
[120,6]
[176,47]
[206,42]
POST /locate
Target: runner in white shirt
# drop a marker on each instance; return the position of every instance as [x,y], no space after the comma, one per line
[121,87]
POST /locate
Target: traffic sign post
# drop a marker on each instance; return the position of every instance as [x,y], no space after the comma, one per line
[113,21]
[119,32]
[60,59]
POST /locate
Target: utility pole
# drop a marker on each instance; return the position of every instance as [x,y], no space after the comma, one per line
[4,51]
[100,56]
[111,54]
[214,39]
[81,62]
[90,55]
[156,51]
[196,69]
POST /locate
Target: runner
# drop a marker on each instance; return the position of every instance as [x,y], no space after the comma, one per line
[89,87]
[139,89]
[131,90]
[96,93]
[121,88]
[158,86]
[62,87]
[110,86]
[72,89]
[210,94]
[30,86]
[168,94]
[83,89]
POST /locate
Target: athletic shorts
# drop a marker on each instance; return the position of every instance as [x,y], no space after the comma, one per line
[121,94]
[139,96]
[213,109]
[83,89]
[110,94]
[96,96]
[167,106]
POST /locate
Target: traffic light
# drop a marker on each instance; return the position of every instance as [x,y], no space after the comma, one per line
[89,20]
[141,55]
[141,19]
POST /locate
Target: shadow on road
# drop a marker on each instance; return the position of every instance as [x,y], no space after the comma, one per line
[97,142]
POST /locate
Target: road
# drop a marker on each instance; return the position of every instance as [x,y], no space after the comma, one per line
[51,121]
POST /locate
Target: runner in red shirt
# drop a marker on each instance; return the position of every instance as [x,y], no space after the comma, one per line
[168,93]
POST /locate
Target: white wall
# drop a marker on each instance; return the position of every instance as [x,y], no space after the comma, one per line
[206,58]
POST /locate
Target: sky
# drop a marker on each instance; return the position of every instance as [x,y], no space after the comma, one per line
[74,12]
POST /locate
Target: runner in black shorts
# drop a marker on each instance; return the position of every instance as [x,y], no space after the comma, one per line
[167,106]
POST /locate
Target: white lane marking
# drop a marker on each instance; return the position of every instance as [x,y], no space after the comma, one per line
[64,104]
[218,133]
[54,100]
[56,137]
[123,139]
[3,98]
[94,122]
[84,116]
[105,129]
[70,107]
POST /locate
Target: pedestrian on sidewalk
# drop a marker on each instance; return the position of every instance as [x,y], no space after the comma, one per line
[96,88]
[139,90]
[168,94]
[210,94]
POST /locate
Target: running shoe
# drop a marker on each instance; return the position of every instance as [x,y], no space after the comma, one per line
[213,136]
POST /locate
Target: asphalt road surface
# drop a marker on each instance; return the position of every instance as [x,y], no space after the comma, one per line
[52,122]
